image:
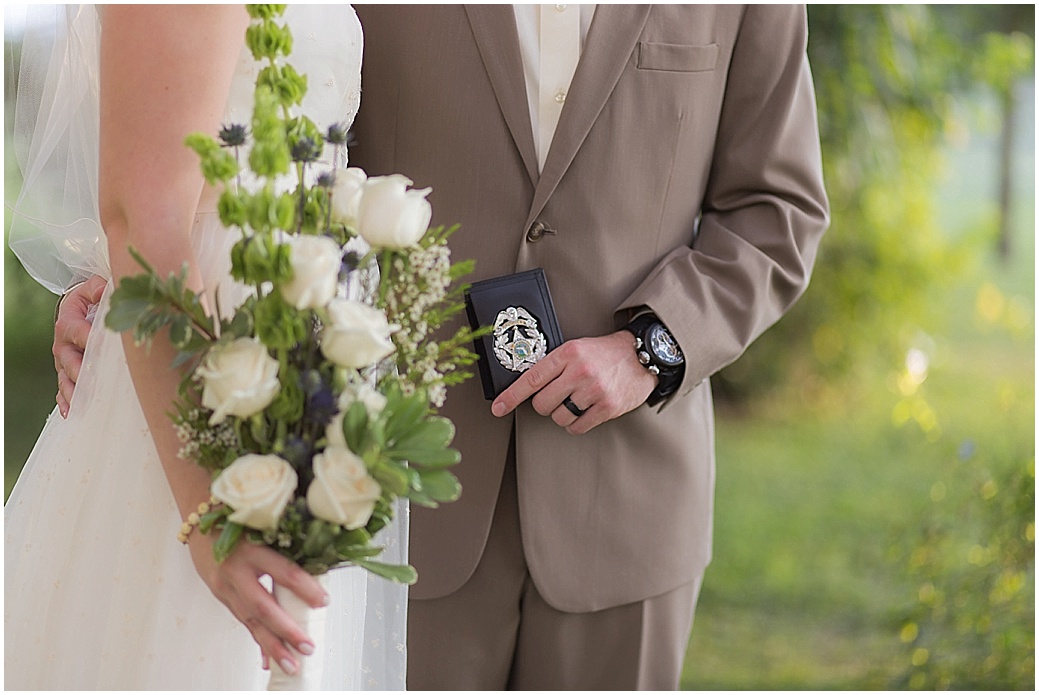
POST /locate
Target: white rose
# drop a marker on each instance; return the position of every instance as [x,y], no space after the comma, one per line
[390,216]
[357,335]
[346,195]
[315,271]
[372,400]
[240,379]
[257,488]
[342,491]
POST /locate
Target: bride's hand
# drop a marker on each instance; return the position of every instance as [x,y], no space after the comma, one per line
[235,582]
[71,328]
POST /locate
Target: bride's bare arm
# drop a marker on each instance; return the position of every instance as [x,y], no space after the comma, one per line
[166,72]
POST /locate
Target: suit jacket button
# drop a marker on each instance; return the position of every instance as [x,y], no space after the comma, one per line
[536,231]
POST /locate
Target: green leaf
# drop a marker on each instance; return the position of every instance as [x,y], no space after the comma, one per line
[441,486]
[350,540]
[427,458]
[126,312]
[241,325]
[422,499]
[382,515]
[207,520]
[264,11]
[216,164]
[228,539]
[278,324]
[288,404]
[180,330]
[402,414]
[376,433]
[267,40]
[432,433]
[355,427]
[270,160]
[357,552]
[392,477]
[142,262]
[258,429]
[402,574]
[414,478]
[231,208]
[315,568]
[426,444]
[319,536]
[182,358]
[285,211]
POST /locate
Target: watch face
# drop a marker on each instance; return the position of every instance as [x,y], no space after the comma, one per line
[664,346]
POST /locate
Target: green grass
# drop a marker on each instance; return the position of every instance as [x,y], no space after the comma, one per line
[819,503]
[814,515]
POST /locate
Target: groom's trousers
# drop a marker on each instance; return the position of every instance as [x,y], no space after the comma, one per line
[497,632]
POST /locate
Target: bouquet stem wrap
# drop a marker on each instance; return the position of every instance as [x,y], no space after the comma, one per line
[312,621]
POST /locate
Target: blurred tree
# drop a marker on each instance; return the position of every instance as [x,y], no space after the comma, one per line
[885,80]
[996,45]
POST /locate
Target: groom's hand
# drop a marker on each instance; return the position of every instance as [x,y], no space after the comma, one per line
[601,376]
[70,337]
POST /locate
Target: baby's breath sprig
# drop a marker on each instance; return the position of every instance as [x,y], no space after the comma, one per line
[418,296]
[208,445]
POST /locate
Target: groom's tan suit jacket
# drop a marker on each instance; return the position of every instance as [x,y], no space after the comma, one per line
[684,176]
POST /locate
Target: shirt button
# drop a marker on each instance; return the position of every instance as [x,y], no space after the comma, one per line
[560,96]
[560,8]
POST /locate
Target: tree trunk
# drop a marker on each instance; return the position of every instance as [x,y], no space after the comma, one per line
[1006,158]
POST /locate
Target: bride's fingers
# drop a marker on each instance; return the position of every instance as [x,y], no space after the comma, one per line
[297,580]
[261,608]
[61,398]
[270,646]
[255,613]
[93,289]
[72,327]
[68,352]
[235,582]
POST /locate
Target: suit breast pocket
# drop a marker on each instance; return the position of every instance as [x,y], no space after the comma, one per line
[672,57]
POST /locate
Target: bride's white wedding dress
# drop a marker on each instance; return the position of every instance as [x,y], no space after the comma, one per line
[99,594]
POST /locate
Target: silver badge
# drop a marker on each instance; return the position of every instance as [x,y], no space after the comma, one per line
[518,343]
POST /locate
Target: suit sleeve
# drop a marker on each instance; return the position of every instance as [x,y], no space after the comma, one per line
[764,209]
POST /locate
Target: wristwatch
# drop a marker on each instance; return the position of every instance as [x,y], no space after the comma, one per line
[659,352]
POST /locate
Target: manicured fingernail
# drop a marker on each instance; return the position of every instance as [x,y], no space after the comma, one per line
[288,666]
[498,409]
[306,648]
[325,600]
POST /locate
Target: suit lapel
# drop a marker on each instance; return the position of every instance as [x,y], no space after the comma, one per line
[611,40]
[494,27]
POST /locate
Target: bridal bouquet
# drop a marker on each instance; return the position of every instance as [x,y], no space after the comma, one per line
[314,403]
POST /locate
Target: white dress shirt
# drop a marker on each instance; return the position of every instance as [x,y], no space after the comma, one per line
[551,39]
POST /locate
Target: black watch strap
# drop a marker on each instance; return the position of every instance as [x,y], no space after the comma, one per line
[669,376]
